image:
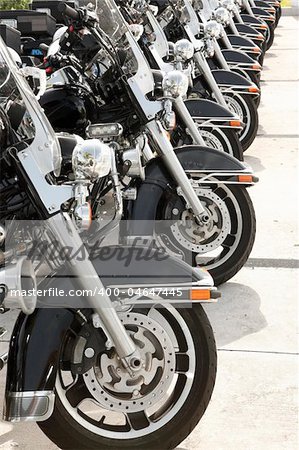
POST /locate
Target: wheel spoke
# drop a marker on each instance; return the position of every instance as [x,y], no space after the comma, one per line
[138,420]
[181,362]
[77,392]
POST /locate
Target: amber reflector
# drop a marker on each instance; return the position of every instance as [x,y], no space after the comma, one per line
[256,67]
[253,89]
[200,294]
[235,123]
[245,178]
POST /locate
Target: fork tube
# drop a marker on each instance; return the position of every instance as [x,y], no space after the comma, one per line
[89,281]
[248,6]
[208,75]
[174,166]
[183,113]
[233,27]
[219,56]
[226,40]
[238,15]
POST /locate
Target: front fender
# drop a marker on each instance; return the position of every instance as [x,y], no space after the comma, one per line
[249,31]
[228,78]
[247,18]
[32,363]
[229,81]
[242,42]
[202,109]
[211,114]
[37,339]
[235,56]
[158,180]
[265,15]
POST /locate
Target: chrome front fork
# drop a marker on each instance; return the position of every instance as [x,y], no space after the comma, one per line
[233,27]
[176,170]
[248,6]
[89,281]
[205,69]
[219,56]
[183,113]
[226,40]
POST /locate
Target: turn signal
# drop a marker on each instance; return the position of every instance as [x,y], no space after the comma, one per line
[256,50]
[200,294]
[245,178]
[256,67]
[235,123]
[253,89]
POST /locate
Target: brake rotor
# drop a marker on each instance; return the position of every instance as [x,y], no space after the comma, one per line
[208,237]
[211,140]
[112,386]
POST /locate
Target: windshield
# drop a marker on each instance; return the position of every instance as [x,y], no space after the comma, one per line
[13,105]
[26,116]
[110,19]
[181,11]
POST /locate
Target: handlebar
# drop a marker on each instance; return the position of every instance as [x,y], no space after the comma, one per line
[68,11]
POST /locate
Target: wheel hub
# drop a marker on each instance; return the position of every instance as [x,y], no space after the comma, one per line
[115,388]
[234,107]
[210,235]
[211,140]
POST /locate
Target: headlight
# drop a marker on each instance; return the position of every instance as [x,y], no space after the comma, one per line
[228,4]
[222,16]
[183,49]
[91,159]
[213,29]
[174,84]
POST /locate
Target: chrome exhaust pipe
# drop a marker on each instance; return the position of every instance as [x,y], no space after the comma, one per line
[18,286]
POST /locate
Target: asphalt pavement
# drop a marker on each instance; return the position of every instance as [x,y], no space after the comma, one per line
[255,401]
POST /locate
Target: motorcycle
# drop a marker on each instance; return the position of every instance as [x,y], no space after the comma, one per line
[232,38]
[217,126]
[199,188]
[229,89]
[116,365]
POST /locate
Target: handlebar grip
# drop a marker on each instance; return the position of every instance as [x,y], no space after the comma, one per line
[68,11]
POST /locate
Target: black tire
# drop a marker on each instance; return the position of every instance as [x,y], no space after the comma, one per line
[62,429]
[250,118]
[278,15]
[227,137]
[270,36]
[250,75]
[224,269]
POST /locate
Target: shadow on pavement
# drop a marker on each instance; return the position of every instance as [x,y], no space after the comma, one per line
[271,55]
[236,314]
[255,163]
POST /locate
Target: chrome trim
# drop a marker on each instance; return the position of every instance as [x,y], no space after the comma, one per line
[237,89]
[29,406]
[213,177]
[220,122]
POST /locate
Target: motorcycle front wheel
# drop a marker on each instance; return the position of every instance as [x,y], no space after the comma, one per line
[223,244]
[223,139]
[106,408]
[244,106]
